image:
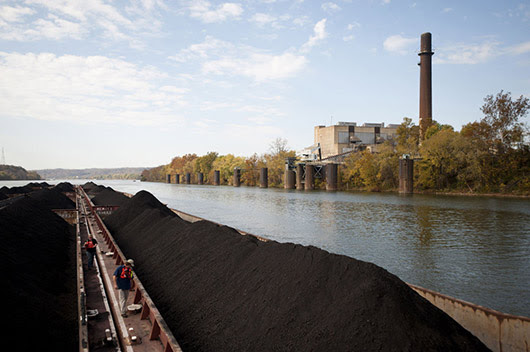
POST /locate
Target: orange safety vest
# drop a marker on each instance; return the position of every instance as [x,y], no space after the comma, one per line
[126,273]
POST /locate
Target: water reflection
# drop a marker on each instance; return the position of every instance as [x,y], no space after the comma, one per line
[423,217]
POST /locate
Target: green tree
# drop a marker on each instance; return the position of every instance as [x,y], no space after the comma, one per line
[499,144]
[444,156]
[204,164]
[408,137]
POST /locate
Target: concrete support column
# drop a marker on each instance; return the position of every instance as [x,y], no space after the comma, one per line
[289,179]
[237,177]
[200,178]
[299,178]
[309,177]
[168,178]
[264,177]
[177,179]
[188,178]
[331,177]
[216,178]
[406,175]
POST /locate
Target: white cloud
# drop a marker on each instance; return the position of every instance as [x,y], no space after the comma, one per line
[260,67]
[219,57]
[353,25]
[447,9]
[330,7]
[94,89]
[59,19]
[467,53]
[262,19]
[55,28]
[208,48]
[301,21]
[319,35]
[473,53]
[518,49]
[204,11]
[399,44]
[14,14]
[348,38]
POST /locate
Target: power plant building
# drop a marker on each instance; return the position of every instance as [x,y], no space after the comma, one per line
[345,137]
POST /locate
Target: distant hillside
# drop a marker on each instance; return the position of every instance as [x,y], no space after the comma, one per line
[128,173]
[11,172]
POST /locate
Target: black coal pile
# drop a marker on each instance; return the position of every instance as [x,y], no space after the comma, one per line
[92,189]
[3,195]
[108,196]
[222,291]
[37,257]
[64,187]
[17,189]
[52,199]
[39,184]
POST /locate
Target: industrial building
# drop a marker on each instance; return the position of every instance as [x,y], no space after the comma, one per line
[347,136]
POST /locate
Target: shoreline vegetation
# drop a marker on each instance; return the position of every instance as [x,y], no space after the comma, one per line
[490,157]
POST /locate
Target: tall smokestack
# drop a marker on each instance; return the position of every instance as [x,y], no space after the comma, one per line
[425,83]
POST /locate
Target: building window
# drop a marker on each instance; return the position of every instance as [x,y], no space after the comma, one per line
[344,137]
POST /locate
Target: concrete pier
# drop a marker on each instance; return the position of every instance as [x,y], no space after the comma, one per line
[237,177]
[309,177]
[264,178]
[331,177]
[406,175]
[300,176]
[216,178]
[289,179]
[200,178]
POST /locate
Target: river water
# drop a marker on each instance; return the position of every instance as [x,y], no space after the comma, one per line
[473,248]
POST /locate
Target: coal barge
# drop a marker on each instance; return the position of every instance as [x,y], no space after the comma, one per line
[264,296]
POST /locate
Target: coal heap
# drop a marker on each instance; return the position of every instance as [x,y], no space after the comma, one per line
[37,258]
[17,189]
[108,196]
[92,189]
[222,291]
[64,187]
[38,184]
[52,199]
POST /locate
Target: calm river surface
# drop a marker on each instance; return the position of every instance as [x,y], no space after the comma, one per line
[473,248]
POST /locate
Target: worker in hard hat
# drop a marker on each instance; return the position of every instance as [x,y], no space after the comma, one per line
[90,246]
[123,282]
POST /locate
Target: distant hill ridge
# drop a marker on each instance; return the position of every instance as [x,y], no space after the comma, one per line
[12,172]
[93,173]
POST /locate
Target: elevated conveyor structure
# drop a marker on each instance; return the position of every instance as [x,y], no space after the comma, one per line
[102,327]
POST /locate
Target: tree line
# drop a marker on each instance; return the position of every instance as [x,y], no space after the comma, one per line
[487,156]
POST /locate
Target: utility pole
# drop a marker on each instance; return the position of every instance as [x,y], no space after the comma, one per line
[3,161]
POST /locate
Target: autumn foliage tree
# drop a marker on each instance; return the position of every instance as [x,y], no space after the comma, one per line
[490,155]
[500,151]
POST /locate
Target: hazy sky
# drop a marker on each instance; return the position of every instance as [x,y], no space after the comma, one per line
[116,83]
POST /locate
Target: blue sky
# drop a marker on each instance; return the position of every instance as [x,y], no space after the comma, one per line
[117,83]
